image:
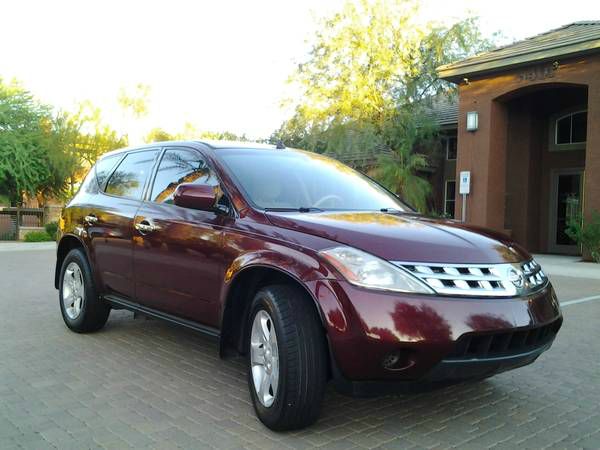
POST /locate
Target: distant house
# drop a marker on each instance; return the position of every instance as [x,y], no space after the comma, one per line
[532,146]
[528,131]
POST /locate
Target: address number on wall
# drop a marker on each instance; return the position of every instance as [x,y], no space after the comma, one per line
[538,73]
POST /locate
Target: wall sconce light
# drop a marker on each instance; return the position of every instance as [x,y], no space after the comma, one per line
[472,121]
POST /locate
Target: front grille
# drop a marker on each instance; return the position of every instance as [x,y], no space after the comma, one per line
[488,280]
[491,345]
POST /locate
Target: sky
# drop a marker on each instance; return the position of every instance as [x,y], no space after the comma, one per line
[219,64]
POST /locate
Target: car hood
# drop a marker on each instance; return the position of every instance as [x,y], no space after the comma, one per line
[403,237]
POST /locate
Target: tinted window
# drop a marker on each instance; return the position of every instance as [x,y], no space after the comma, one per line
[451,148]
[104,167]
[180,166]
[297,179]
[129,177]
[89,184]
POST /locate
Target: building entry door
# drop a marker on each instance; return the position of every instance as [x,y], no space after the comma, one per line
[566,202]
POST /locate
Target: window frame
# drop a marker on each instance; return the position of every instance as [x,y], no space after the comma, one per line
[554,145]
[150,174]
[453,200]
[148,192]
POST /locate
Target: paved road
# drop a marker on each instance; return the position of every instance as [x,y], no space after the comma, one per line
[144,383]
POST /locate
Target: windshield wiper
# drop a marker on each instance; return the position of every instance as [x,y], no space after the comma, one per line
[302,209]
[391,210]
[399,211]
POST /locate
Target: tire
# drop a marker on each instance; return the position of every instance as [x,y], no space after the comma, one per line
[301,358]
[82,309]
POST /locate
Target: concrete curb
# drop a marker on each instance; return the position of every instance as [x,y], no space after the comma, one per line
[26,246]
[568,266]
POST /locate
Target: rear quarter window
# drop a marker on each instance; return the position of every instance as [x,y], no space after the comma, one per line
[104,167]
[129,178]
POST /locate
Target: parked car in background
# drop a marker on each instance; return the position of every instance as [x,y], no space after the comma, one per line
[311,270]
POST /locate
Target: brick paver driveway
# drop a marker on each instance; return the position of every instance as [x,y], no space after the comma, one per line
[144,383]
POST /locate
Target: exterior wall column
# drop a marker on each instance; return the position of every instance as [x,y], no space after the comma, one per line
[592,153]
[483,153]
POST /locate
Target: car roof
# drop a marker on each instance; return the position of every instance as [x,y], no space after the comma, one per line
[238,144]
[215,145]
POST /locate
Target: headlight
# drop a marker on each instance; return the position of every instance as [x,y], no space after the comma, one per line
[363,269]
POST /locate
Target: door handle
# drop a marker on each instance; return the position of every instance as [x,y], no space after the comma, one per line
[146,227]
[90,219]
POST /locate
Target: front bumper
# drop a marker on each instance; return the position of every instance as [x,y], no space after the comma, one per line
[446,372]
[436,340]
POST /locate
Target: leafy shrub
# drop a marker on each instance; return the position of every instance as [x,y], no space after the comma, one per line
[38,236]
[586,233]
[51,229]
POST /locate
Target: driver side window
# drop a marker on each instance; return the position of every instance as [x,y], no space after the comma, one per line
[179,166]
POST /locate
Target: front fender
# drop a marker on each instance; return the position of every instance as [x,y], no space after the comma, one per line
[296,265]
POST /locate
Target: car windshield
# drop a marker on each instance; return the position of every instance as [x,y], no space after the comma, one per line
[305,181]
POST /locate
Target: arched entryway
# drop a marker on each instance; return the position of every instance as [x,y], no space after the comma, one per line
[545,163]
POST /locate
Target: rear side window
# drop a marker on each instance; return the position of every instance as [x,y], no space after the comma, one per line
[129,177]
[104,167]
[179,166]
[89,185]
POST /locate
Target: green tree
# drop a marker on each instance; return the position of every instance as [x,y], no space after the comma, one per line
[190,132]
[45,155]
[223,136]
[398,169]
[369,77]
[24,123]
[80,138]
[135,102]
[158,135]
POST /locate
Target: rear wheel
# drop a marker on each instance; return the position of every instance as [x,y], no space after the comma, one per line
[81,307]
[287,355]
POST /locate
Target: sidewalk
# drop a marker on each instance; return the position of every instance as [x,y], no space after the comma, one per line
[11,246]
[568,266]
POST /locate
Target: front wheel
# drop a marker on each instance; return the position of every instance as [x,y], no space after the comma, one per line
[287,355]
[81,307]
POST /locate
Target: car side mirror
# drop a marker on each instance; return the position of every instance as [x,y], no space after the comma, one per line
[195,196]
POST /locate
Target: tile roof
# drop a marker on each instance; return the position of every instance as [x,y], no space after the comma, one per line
[444,111]
[569,40]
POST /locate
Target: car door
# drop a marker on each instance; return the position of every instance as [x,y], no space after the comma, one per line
[177,251]
[110,220]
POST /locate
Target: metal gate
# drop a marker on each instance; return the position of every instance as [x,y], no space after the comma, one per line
[8,226]
[11,219]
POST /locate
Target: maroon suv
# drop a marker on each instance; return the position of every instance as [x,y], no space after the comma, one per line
[310,269]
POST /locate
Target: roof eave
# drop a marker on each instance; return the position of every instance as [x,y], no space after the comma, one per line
[455,73]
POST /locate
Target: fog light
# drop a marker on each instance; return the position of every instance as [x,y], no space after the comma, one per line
[390,360]
[398,360]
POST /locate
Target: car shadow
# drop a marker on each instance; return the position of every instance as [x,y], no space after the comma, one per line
[189,361]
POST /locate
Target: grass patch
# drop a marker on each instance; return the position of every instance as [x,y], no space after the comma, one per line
[38,236]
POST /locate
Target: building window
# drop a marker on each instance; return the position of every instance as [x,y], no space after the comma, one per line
[450,143]
[449,198]
[571,129]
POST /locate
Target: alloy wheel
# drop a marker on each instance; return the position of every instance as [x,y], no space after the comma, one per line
[73,290]
[264,358]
